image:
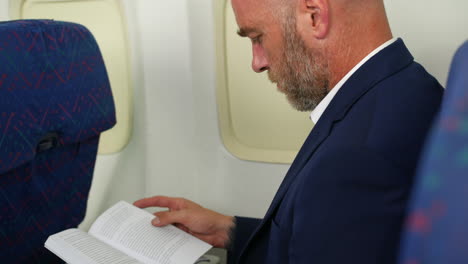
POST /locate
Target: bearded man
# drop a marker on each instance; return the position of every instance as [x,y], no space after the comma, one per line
[343,200]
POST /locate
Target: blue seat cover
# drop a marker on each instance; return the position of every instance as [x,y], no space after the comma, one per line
[52,80]
[437,227]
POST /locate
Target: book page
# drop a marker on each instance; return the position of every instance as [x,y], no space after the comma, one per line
[129,229]
[77,247]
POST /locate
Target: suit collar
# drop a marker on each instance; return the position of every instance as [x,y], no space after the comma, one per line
[384,64]
[318,111]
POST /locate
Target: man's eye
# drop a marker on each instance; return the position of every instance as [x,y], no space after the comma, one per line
[257,39]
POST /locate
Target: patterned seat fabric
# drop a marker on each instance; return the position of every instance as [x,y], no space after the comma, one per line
[55,100]
[437,228]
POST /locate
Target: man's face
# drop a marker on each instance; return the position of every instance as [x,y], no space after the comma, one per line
[301,73]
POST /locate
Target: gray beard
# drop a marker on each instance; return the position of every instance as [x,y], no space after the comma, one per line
[301,72]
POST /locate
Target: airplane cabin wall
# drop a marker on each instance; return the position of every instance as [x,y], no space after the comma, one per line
[4,10]
[432,30]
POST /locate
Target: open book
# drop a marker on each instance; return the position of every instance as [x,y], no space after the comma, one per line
[123,234]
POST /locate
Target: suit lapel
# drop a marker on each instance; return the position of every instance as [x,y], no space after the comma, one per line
[384,64]
[313,141]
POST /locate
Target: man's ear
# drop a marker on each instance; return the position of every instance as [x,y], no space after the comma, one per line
[314,17]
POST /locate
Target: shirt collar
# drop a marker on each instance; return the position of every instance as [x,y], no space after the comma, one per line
[318,111]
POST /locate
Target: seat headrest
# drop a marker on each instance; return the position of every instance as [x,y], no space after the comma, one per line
[436,226]
[52,80]
[458,71]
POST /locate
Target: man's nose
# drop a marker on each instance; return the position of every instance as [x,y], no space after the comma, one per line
[259,60]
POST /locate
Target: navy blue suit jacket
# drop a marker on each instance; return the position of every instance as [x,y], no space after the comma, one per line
[344,198]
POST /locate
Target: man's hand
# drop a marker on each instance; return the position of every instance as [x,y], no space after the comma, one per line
[209,226]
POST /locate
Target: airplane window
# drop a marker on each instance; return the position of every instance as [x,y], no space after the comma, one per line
[105,20]
[256,121]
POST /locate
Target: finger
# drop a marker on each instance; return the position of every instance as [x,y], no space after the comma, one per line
[147,202]
[157,201]
[182,227]
[168,218]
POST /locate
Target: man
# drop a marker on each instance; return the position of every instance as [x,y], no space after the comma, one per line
[344,198]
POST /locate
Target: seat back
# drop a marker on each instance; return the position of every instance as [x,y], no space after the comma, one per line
[437,226]
[55,100]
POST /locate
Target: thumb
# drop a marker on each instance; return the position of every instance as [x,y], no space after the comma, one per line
[169,217]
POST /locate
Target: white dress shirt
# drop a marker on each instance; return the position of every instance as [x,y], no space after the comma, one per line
[318,111]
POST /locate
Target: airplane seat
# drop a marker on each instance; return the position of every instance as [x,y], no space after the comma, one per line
[55,100]
[437,225]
